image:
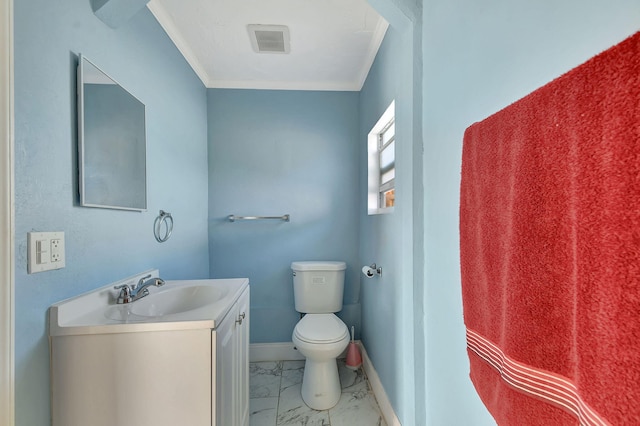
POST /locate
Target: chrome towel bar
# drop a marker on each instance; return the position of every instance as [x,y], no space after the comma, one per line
[233,218]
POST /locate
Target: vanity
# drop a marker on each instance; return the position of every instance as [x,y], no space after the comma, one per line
[177,356]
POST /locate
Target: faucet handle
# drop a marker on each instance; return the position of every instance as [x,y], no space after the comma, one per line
[141,280]
[125,293]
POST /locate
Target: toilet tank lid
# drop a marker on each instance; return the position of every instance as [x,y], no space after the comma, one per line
[318,266]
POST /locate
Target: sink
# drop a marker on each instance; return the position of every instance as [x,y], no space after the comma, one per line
[177,300]
[169,301]
[122,313]
[177,305]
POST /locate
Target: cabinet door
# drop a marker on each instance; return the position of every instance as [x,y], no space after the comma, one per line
[232,366]
[225,370]
[159,378]
[242,342]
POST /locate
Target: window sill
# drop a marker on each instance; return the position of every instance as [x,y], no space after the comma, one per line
[385,210]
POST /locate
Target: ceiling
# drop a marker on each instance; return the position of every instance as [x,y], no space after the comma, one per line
[333,42]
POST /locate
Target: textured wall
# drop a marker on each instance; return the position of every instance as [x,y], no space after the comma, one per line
[478,58]
[101,245]
[277,152]
[387,239]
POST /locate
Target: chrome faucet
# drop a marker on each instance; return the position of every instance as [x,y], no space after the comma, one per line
[131,293]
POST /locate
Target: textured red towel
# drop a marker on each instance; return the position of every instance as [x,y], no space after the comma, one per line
[550,248]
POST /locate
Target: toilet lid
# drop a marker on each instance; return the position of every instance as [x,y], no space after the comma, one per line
[321,328]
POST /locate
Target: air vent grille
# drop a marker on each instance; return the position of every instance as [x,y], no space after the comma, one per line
[269,38]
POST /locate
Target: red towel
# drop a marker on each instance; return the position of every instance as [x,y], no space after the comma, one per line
[550,249]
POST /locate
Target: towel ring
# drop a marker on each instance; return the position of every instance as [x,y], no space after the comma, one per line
[166,219]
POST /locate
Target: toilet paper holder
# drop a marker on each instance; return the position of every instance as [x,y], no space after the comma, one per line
[370,271]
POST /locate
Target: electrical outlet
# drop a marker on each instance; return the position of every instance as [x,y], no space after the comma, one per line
[45,251]
[57,250]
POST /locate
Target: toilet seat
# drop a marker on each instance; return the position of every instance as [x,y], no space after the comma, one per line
[320,328]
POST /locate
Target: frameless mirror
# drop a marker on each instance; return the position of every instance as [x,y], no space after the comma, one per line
[111,143]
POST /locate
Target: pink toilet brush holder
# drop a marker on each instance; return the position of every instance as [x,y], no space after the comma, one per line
[354,358]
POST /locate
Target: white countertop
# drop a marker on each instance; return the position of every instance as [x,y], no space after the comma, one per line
[94,312]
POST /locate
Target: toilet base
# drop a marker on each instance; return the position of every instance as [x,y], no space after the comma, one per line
[321,384]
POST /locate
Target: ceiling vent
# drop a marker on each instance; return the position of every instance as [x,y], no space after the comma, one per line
[269,38]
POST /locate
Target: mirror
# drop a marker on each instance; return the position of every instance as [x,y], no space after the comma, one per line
[111,143]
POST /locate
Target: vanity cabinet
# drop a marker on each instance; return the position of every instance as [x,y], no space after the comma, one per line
[186,368]
[232,366]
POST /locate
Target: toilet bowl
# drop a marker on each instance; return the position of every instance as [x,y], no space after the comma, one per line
[320,338]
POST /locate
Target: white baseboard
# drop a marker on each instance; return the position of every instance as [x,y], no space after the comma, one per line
[285,351]
[376,386]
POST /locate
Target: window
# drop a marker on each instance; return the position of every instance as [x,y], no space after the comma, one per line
[382,163]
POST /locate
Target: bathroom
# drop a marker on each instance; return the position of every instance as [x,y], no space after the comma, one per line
[446,65]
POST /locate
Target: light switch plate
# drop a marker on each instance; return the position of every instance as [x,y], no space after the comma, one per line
[45,251]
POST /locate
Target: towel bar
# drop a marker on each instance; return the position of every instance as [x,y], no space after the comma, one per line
[233,218]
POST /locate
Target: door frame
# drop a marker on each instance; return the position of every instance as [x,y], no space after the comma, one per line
[7,230]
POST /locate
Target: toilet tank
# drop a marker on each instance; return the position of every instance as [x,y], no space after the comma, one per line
[318,286]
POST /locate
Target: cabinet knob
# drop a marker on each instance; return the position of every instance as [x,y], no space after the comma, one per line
[240,318]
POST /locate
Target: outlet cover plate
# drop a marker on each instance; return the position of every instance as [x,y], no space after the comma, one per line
[45,251]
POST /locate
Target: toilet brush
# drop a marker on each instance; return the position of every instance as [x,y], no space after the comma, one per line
[354,359]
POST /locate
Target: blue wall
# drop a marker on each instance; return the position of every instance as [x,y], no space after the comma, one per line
[381,296]
[478,58]
[283,152]
[101,245]
[389,239]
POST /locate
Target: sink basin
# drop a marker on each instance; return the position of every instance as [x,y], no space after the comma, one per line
[169,301]
[179,304]
[177,300]
[122,313]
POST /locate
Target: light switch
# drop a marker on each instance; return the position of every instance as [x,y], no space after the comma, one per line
[42,252]
[45,251]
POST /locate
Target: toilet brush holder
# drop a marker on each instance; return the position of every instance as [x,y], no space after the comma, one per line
[354,359]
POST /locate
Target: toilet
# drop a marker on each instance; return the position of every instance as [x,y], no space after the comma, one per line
[320,335]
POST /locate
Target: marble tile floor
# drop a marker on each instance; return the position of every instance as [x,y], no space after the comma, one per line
[274,391]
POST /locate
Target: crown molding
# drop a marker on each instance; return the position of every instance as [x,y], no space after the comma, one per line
[374,46]
[175,35]
[328,86]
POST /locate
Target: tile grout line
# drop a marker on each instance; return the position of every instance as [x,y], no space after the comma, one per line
[279,391]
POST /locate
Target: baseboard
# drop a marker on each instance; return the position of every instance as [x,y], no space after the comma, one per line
[285,351]
[376,386]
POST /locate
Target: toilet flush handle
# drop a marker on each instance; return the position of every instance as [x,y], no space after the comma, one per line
[240,318]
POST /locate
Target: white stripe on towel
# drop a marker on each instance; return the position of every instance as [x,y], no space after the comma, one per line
[544,385]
